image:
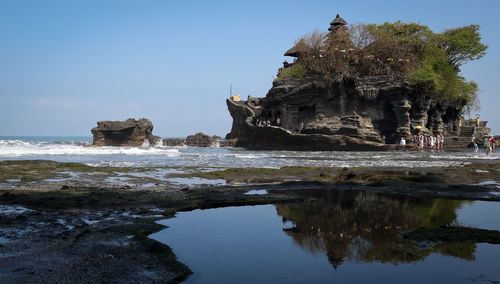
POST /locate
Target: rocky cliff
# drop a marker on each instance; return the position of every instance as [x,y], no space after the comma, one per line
[314,113]
[349,89]
[130,132]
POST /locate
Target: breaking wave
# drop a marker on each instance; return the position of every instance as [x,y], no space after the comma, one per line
[19,148]
[80,150]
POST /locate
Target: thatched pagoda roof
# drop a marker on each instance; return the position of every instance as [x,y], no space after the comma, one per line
[295,50]
[338,21]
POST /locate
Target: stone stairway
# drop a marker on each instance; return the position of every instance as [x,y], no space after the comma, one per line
[461,141]
[457,141]
[466,131]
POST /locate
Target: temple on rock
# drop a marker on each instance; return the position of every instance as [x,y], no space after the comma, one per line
[354,112]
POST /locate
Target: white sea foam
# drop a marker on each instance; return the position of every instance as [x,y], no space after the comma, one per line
[219,158]
[111,164]
[18,148]
[13,210]
[256,192]
[490,183]
[90,222]
[249,156]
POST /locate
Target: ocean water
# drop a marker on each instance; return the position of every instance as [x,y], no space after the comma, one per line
[79,149]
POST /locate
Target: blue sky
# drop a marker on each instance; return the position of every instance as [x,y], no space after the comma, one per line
[66,64]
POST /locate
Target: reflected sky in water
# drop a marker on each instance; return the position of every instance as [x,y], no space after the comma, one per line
[344,236]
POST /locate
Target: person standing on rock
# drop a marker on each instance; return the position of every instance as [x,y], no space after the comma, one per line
[492,143]
[402,142]
[487,146]
[420,141]
[474,144]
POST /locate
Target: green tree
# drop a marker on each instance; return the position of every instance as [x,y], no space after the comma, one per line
[463,44]
[410,52]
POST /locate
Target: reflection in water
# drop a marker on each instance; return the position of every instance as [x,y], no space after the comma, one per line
[342,237]
[365,226]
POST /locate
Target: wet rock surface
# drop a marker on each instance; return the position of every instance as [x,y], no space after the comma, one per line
[68,246]
[454,234]
[75,232]
[130,132]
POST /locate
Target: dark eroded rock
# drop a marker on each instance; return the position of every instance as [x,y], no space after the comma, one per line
[174,142]
[130,132]
[314,113]
[455,234]
[202,140]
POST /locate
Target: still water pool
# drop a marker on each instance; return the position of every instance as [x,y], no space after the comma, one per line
[341,237]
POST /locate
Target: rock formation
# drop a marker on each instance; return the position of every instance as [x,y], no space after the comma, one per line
[338,112]
[174,142]
[131,132]
[199,140]
[318,114]
[202,140]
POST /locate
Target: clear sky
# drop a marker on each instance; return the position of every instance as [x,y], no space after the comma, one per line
[66,64]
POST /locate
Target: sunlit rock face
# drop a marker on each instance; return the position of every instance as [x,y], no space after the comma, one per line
[131,132]
[315,113]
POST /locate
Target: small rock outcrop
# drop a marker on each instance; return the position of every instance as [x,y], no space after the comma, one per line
[131,132]
[199,140]
[202,140]
[174,142]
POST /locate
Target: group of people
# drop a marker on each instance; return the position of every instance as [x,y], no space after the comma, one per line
[267,122]
[263,122]
[428,141]
[489,143]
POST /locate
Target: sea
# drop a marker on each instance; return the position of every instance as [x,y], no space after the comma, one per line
[79,149]
[340,237]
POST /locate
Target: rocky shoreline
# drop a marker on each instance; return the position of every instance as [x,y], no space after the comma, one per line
[51,231]
[341,133]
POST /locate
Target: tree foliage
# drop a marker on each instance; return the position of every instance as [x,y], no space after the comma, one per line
[402,51]
[295,71]
[463,44]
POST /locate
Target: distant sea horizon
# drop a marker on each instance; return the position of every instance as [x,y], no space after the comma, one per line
[47,138]
[58,138]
